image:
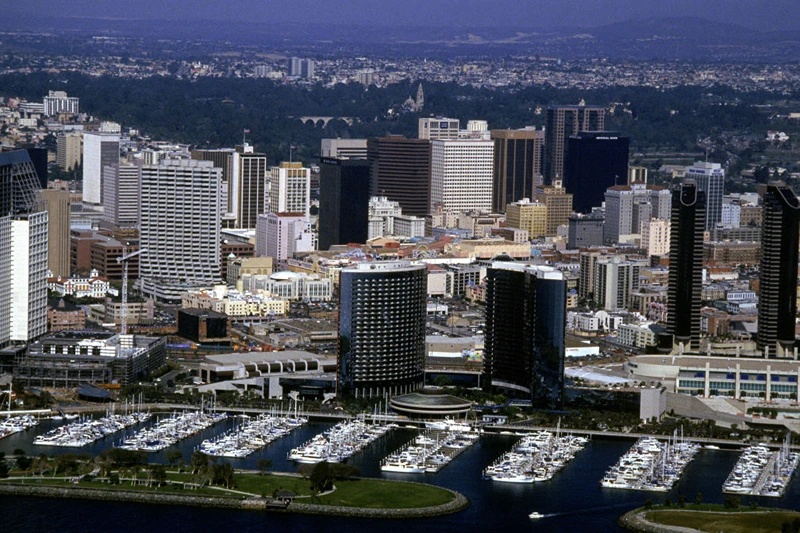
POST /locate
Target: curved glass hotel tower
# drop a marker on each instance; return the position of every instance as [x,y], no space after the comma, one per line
[382,328]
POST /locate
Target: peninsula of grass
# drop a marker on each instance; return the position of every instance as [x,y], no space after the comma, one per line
[713,518]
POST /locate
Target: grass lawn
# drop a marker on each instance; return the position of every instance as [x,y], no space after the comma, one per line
[378,494]
[737,522]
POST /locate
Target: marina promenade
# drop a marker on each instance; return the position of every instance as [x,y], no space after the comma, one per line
[651,465]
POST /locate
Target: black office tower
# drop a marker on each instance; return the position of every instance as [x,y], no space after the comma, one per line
[517,166]
[400,170]
[594,161]
[525,329]
[686,264]
[343,201]
[777,298]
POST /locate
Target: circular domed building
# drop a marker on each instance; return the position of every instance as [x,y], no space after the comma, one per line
[426,404]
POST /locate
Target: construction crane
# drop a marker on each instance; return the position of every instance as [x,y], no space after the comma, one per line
[124,260]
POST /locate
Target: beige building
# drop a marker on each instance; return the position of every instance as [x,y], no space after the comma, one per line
[488,248]
[528,216]
[253,266]
[68,150]
[233,303]
[655,237]
[559,206]
[57,204]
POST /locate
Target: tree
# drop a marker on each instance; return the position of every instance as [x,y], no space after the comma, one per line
[648,504]
[173,456]
[198,462]
[113,478]
[682,501]
[3,469]
[158,475]
[321,477]
[24,462]
[699,498]
[264,465]
[731,502]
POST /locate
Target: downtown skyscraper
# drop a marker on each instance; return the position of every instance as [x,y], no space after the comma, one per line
[561,122]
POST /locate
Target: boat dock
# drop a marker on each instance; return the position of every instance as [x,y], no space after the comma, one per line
[534,458]
[651,465]
[762,472]
[15,424]
[339,442]
[251,436]
[429,452]
[170,430]
[87,431]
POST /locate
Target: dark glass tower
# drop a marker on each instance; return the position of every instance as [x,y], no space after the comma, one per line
[594,161]
[777,300]
[400,170]
[686,264]
[525,328]
[382,308]
[343,201]
[517,163]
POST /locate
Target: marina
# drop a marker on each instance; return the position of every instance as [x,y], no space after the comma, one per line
[535,458]
[429,452]
[651,465]
[339,442]
[15,424]
[251,436]
[170,430]
[84,432]
[762,472]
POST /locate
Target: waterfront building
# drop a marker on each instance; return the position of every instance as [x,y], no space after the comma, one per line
[343,200]
[179,227]
[400,170]
[777,302]
[710,179]
[525,331]
[517,165]
[686,264]
[99,150]
[562,121]
[461,175]
[382,313]
[594,161]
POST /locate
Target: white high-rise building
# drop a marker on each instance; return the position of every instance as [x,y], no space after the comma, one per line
[58,102]
[438,128]
[280,235]
[387,218]
[710,178]
[461,175]
[99,150]
[614,281]
[290,189]
[121,195]
[655,237]
[344,148]
[179,226]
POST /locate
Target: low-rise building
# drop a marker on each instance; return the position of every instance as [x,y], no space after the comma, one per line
[93,286]
[64,316]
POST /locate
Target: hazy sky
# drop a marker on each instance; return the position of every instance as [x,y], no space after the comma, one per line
[757,14]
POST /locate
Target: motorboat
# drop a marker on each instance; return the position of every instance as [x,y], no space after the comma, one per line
[535,515]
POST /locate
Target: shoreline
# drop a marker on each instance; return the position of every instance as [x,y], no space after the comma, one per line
[255,503]
[634,520]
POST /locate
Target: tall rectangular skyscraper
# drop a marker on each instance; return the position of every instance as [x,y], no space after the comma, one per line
[777,298]
[594,161]
[561,122]
[290,189]
[343,201]
[525,332]
[57,204]
[461,175]
[249,186]
[710,178]
[179,227]
[121,195]
[400,170]
[517,165]
[99,150]
[686,264]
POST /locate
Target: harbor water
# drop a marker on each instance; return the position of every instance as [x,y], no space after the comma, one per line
[572,501]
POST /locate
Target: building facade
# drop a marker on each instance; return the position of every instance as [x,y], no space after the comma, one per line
[710,178]
[400,170]
[343,200]
[561,122]
[517,165]
[594,161]
[99,150]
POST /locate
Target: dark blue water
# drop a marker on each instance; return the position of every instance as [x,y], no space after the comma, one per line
[572,501]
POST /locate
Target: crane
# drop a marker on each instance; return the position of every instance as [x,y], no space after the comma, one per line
[124,258]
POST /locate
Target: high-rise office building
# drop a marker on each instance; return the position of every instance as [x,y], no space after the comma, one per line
[585,230]
[99,150]
[559,206]
[58,102]
[121,195]
[594,161]
[517,165]
[280,235]
[23,250]
[290,189]
[525,331]
[710,178]
[301,67]
[382,309]
[777,297]
[343,201]
[400,170]
[68,150]
[614,282]
[179,227]
[249,186]
[57,205]
[344,148]
[560,122]
[527,215]
[686,264]
[438,128]
[461,175]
